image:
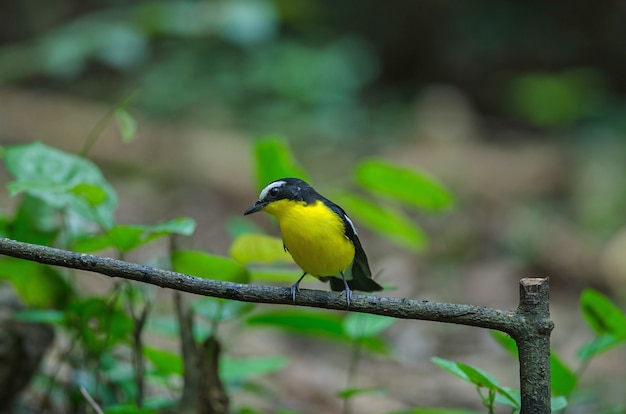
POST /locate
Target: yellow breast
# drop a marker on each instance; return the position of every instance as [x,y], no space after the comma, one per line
[314,235]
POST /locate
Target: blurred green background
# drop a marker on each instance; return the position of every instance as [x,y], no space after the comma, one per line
[518,107]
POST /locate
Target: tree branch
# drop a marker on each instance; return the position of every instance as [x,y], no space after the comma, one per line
[398,308]
[529,325]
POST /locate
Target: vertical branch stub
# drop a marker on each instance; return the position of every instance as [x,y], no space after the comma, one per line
[533,343]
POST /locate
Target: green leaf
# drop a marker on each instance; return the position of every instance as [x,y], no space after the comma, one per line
[99,322]
[509,397]
[412,187]
[93,194]
[49,316]
[38,285]
[164,325]
[127,124]
[556,99]
[303,322]
[274,160]
[364,325]
[389,222]
[236,226]
[274,274]
[562,378]
[598,345]
[474,376]
[558,403]
[259,248]
[35,222]
[452,367]
[478,377]
[353,392]
[233,370]
[165,362]
[505,341]
[209,266]
[602,315]
[220,310]
[126,238]
[53,176]
[436,411]
[128,409]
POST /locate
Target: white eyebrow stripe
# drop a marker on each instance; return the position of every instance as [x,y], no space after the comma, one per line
[267,189]
[351,224]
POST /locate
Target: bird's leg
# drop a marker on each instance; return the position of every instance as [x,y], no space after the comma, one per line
[296,286]
[347,289]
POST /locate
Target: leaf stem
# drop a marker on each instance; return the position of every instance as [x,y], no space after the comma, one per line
[104,121]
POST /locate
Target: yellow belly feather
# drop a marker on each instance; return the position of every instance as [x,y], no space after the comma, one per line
[314,235]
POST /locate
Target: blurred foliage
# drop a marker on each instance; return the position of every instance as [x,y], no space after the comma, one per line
[316,71]
[604,319]
[390,190]
[66,201]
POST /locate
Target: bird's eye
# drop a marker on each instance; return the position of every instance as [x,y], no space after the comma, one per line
[274,192]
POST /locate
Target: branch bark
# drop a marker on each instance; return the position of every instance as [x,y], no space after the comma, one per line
[533,344]
[529,325]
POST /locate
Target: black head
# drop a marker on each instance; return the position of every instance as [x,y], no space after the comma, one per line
[284,189]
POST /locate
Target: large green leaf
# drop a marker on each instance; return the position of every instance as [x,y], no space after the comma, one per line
[38,285]
[126,238]
[321,324]
[62,180]
[129,409]
[602,315]
[209,266]
[259,248]
[35,222]
[598,345]
[165,362]
[220,310]
[275,274]
[409,186]
[365,325]
[390,222]
[274,160]
[563,380]
[505,341]
[233,370]
[474,376]
[49,316]
[436,411]
[556,99]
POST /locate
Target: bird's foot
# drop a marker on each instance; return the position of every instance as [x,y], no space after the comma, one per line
[295,288]
[348,293]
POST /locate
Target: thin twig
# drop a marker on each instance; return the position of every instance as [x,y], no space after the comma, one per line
[104,121]
[91,401]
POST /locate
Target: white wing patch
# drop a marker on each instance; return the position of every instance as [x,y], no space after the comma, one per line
[267,189]
[351,224]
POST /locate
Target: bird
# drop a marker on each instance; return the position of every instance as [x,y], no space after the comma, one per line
[319,235]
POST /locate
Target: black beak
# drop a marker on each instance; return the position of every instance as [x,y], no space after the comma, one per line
[258,206]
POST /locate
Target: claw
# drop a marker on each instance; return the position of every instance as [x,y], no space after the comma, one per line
[348,293]
[296,287]
[347,290]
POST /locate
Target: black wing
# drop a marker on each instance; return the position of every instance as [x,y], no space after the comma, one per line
[361,273]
